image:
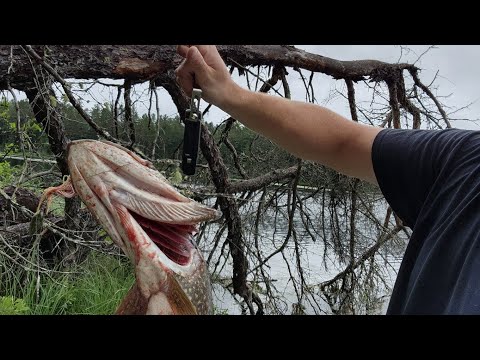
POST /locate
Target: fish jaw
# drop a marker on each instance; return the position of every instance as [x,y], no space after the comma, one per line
[149,220]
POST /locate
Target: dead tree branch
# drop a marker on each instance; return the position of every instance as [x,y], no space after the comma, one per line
[128,111]
[414,73]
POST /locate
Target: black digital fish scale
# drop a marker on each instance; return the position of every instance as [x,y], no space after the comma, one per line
[191,135]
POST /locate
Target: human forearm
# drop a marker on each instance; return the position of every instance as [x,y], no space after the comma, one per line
[308,131]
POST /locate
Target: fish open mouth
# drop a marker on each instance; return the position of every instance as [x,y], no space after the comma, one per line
[135,203]
[173,240]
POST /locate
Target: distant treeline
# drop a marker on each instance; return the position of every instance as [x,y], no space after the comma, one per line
[256,154]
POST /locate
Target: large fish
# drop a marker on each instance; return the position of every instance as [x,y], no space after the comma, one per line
[152,223]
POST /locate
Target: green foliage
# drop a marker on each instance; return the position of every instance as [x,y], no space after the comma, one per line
[11,306]
[4,106]
[219,311]
[170,134]
[94,287]
[53,101]
[257,154]
[31,130]
[57,206]
[75,126]
[48,296]
[6,173]
[32,127]
[102,286]
[176,177]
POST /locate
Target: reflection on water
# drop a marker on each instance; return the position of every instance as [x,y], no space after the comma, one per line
[318,262]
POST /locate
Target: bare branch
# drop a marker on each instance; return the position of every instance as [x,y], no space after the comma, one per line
[69,94]
[115,111]
[18,123]
[238,166]
[351,99]
[74,102]
[414,73]
[286,87]
[157,134]
[365,256]
[128,111]
[263,180]
[393,90]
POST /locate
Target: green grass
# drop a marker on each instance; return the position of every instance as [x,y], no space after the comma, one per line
[100,290]
[95,287]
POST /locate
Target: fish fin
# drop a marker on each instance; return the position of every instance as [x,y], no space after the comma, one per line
[168,211]
[134,303]
[66,190]
[142,161]
[179,301]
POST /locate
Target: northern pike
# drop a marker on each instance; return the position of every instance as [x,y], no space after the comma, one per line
[149,220]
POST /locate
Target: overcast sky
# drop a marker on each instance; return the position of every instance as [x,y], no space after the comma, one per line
[457,66]
[459,75]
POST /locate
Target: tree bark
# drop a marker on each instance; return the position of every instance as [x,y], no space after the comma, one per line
[144,62]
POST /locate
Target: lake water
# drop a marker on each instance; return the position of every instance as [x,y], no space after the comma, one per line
[318,265]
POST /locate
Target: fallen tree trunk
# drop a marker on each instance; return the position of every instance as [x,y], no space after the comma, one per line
[145,62]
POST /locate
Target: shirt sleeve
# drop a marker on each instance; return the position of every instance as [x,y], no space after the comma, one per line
[409,165]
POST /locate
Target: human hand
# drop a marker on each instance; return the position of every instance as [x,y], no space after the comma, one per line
[204,68]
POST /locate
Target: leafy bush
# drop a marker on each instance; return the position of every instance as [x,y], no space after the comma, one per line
[11,306]
[6,173]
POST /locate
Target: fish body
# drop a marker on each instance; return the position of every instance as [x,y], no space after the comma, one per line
[151,222]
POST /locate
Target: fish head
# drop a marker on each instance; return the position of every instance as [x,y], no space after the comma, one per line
[150,221]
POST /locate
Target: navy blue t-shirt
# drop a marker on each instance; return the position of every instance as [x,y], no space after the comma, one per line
[431,179]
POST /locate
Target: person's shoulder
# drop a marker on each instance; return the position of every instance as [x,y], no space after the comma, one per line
[421,134]
[457,132]
[454,136]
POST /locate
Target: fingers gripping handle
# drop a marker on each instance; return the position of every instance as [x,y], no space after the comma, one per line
[191,135]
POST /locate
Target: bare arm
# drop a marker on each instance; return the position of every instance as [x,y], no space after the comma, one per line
[308,131]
